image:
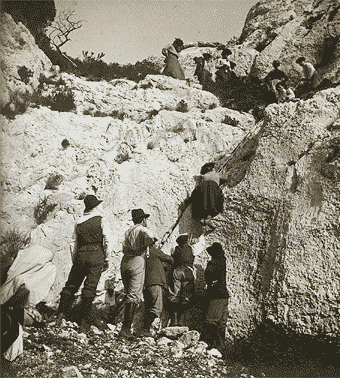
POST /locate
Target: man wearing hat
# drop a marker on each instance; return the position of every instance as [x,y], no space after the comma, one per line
[91,254]
[135,246]
[217,294]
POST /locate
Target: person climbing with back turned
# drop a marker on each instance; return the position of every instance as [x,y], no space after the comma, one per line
[207,198]
[172,66]
[155,286]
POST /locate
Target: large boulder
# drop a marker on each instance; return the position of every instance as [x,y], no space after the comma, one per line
[287,30]
[22,62]
[281,221]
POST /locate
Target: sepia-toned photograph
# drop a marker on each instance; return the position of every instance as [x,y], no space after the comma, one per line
[170,188]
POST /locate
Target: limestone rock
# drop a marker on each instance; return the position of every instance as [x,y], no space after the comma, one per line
[164,341]
[287,30]
[70,372]
[22,61]
[189,338]
[214,353]
[199,348]
[176,349]
[174,332]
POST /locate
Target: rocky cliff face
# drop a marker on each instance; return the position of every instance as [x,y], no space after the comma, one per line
[141,145]
[285,30]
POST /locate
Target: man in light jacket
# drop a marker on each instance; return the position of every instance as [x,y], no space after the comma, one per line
[135,247]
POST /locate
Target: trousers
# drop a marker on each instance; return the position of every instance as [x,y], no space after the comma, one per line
[88,264]
[132,270]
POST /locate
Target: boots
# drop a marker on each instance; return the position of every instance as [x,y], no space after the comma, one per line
[65,304]
[130,309]
[146,332]
[220,336]
[174,315]
[209,334]
[86,306]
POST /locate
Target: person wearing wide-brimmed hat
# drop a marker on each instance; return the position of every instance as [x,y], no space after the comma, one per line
[207,198]
[91,255]
[182,286]
[135,246]
[217,294]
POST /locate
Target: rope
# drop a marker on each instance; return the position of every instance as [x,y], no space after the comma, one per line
[167,235]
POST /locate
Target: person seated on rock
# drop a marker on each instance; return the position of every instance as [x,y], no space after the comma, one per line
[309,81]
[216,316]
[284,93]
[155,286]
[207,198]
[273,78]
[91,239]
[28,280]
[182,287]
[172,65]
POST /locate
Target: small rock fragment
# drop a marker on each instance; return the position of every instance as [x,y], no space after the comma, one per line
[70,372]
[214,353]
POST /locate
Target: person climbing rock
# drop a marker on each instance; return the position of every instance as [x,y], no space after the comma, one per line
[135,247]
[273,78]
[91,256]
[155,286]
[182,287]
[207,198]
[216,316]
[309,81]
[172,65]
[284,93]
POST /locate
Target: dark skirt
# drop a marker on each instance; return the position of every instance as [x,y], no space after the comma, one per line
[173,67]
[207,199]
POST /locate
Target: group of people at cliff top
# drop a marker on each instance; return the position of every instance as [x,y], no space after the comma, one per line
[216,77]
[27,278]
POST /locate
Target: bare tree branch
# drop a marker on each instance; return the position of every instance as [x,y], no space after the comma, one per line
[62,28]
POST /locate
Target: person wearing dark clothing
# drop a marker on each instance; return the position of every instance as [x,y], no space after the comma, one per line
[172,65]
[274,76]
[200,62]
[217,294]
[183,280]
[91,257]
[207,198]
[155,285]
